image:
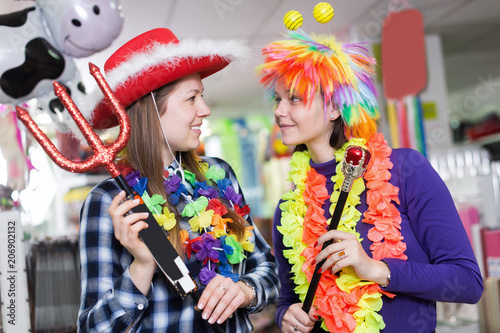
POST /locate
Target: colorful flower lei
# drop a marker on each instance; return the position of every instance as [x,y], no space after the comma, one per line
[344,302]
[217,248]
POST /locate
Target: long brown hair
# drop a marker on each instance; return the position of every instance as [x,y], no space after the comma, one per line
[143,153]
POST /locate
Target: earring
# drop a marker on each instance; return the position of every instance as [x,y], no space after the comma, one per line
[332,117]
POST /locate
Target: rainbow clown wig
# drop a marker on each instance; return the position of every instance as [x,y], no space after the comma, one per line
[342,73]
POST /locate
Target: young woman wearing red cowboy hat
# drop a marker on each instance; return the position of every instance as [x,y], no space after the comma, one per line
[196,199]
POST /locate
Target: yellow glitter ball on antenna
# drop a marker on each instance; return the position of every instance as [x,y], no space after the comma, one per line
[293,20]
[323,12]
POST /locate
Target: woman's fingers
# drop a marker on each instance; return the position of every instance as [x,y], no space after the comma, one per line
[342,252]
[345,250]
[337,261]
[335,235]
[120,207]
[296,320]
[227,304]
[220,299]
[122,224]
[131,226]
[340,240]
[127,226]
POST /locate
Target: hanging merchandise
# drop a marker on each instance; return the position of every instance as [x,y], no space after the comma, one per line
[226,134]
[53,268]
[404,73]
[241,141]
[17,162]
[276,148]
[248,153]
[276,162]
[39,42]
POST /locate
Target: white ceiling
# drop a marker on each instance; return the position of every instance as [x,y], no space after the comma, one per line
[469,29]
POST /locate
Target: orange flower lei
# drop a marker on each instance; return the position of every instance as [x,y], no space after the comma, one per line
[345,303]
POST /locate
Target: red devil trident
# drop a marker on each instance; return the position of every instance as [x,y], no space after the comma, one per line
[102,155]
[155,237]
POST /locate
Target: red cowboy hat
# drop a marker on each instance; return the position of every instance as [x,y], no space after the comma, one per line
[151,60]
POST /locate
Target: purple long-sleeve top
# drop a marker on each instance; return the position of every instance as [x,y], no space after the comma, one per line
[441,265]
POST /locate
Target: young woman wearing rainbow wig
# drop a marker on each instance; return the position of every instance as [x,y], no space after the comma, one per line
[400,245]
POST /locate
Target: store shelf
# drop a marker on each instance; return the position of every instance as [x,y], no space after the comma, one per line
[469,328]
[485,140]
[489,142]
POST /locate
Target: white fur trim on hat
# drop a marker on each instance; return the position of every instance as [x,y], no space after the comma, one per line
[157,53]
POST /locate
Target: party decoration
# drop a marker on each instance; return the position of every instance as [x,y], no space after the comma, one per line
[206,212]
[323,12]
[103,156]
[167,220]
[293,20]
[81,27]
[275,147]
[12,150]
[354,165]
[404,73]
[38,44]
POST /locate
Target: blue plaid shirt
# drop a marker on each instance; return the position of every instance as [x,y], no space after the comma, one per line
[110,302]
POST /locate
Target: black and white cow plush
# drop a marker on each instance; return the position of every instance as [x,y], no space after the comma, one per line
[38,44]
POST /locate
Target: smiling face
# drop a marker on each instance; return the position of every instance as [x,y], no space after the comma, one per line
[81,28]
[183,117]
[303,123]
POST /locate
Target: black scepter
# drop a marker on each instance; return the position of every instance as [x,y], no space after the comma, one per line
[353,166]
[155,237]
